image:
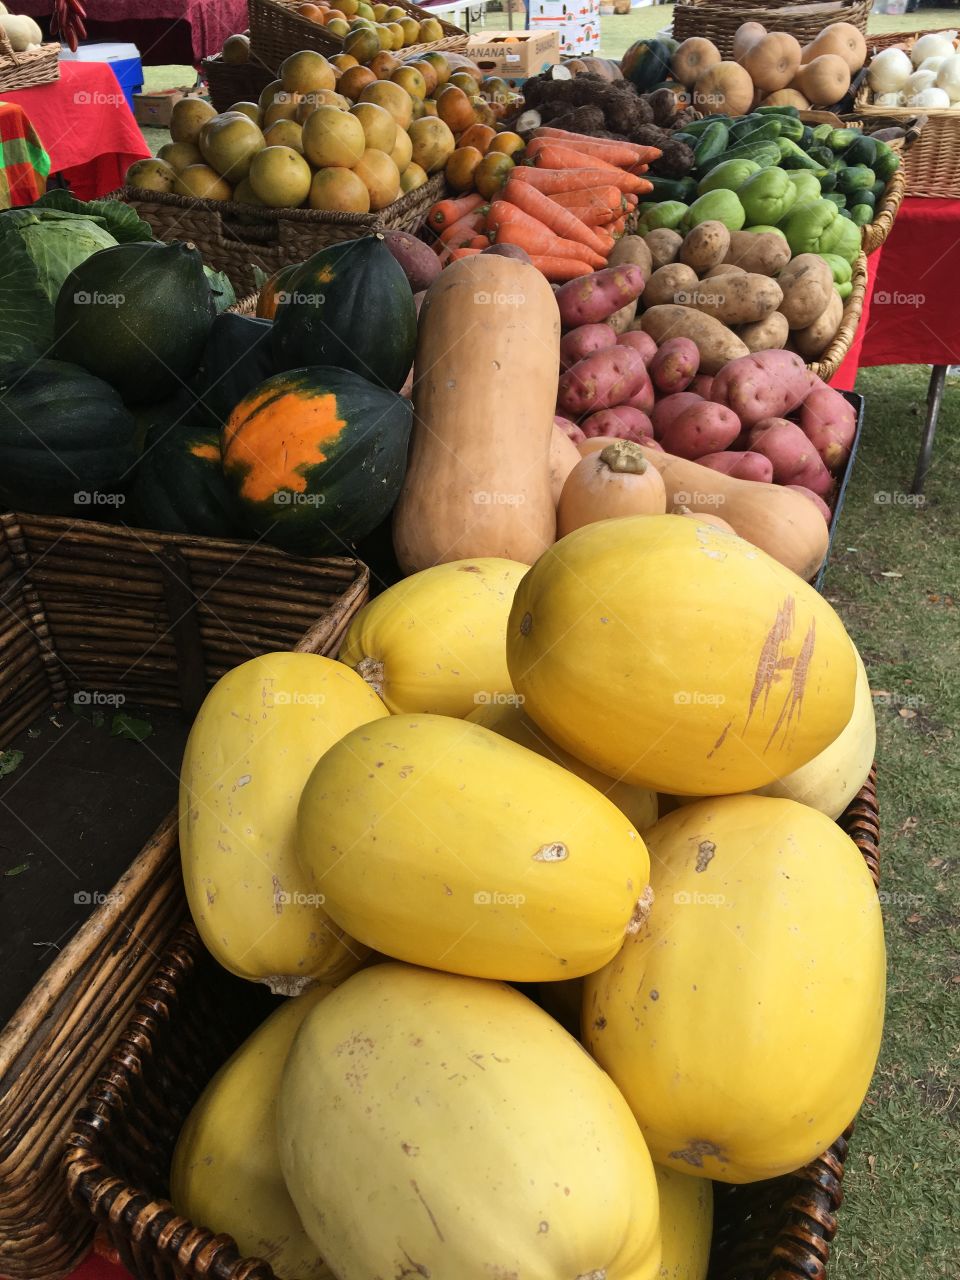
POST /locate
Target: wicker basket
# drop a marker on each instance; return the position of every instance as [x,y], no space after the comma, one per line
[158,617]
[719,22]
[831,359]
[192,1015]
[234,82]
[236,238]
[932,163]
[874,233]
[277,30]
[24,70]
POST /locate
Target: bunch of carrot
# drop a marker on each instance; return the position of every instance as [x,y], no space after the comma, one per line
[565,210]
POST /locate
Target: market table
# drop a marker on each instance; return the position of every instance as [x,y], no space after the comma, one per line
[165,31]
[84,123]
[910,306]
[24,165]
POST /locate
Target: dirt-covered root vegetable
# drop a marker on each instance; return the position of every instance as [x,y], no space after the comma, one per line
[830,423]
[420,264]
[569,428]
[741,463]
[621,320]
[794,459]
[590,299]
[765,384]
[769,334]
[632,250]
[640,341]
[815,498]
[705,246]
[722,269]
[812,341]
[675,365]
[673,282]
[702,385]
[718,345]
[807,285]
[600,381]
[621,422]
[508,251]
[665,410]
[664,245]
[737,297]
[699,429]
[617,481]
[644,395]
[564,456]
[584,341]
[763,252]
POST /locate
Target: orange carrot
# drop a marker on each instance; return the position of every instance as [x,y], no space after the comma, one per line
[556,156]
[605,147]
[601,197]
[566,156]
[478,242]
[559,269]
[617,228]
[554,216]
[630,200]
[471,222]
[551,180]
[446,212]
[457,254]
[591,216]
[546,244]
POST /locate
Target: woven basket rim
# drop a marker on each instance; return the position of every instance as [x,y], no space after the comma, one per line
[830,360]
[875,232]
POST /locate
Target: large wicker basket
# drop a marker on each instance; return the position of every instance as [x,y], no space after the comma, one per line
[158,617]
[230,82]
[25,70]
[277,30]
[237,238]
[192,1015]
[719,22]
[831,359]
[932,164]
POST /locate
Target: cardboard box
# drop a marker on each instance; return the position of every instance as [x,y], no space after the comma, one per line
[515,55]
[155,109]
[577,39]
[547,12]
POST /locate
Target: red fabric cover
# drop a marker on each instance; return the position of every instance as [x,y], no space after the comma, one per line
[85,125]
[97,1268]
[211,21]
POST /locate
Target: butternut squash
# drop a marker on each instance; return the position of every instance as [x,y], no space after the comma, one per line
[745,37]
[683,692]
[824,80]
[260,731]
[434,1125]
[766,942]
[772,61]
[692,58]
[505,716]
[449,846]
[787,98]
[617,481]
[435,641]
[784,524]
[724,88]
[226,1168]
[484,396]
[564,456]
[841,38]
[686,1224]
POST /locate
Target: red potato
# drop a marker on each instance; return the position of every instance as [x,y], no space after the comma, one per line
[582,342]
[699,429]
[622,422]
[742,464]
[600,381]
[590,299]
[665,410]
[644,397]
[507,251]
[830,423]
[569,428]
[675,365]
[765,384]
[702,385]
[815,498]
[640,341]
[794,459]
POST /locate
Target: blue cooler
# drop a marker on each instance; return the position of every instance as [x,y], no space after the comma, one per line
[123,58]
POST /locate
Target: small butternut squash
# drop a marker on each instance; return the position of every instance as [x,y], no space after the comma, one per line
[787,98]
[617,481]
[785,525]
[484,394]
[564,456]
[692,58]
[824,80]
[745,37]
[725,88]
[773,60]
[841,38]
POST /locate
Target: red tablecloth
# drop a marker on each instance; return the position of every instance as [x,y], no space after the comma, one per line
[146,22]
[85,125]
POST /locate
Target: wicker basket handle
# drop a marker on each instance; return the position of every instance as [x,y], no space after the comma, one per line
[6,48]
[181,606]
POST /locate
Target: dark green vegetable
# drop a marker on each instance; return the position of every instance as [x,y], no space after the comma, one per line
[792,129]
[682,189]
[764,154]
[791,156]
[712,142]
[807,138]
[778,111]
[828,180]
[821,154]
[685,136]
[862,214]
[862,151]
[755,129]
[856,178]
[837,197]
[878,188]
[822,132]
[863,197]
[840,140]
[696,127]
[887,162]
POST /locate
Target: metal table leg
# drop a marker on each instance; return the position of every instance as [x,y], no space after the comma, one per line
[938,376]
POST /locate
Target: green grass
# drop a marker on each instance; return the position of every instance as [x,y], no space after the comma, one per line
[895,579]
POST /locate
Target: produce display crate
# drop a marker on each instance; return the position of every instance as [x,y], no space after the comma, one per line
[857,401]
[874,233]
[191,1016]
[719,22]
[277,30]
[236,238]
[831,359]
[231,82]
[27,69]
[932,163]
[158,617]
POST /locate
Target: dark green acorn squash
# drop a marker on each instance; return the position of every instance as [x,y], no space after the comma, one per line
[647,62]
[350,306]
[138,316]
[68,444]
[180,486]
[238,357]
[316,457]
